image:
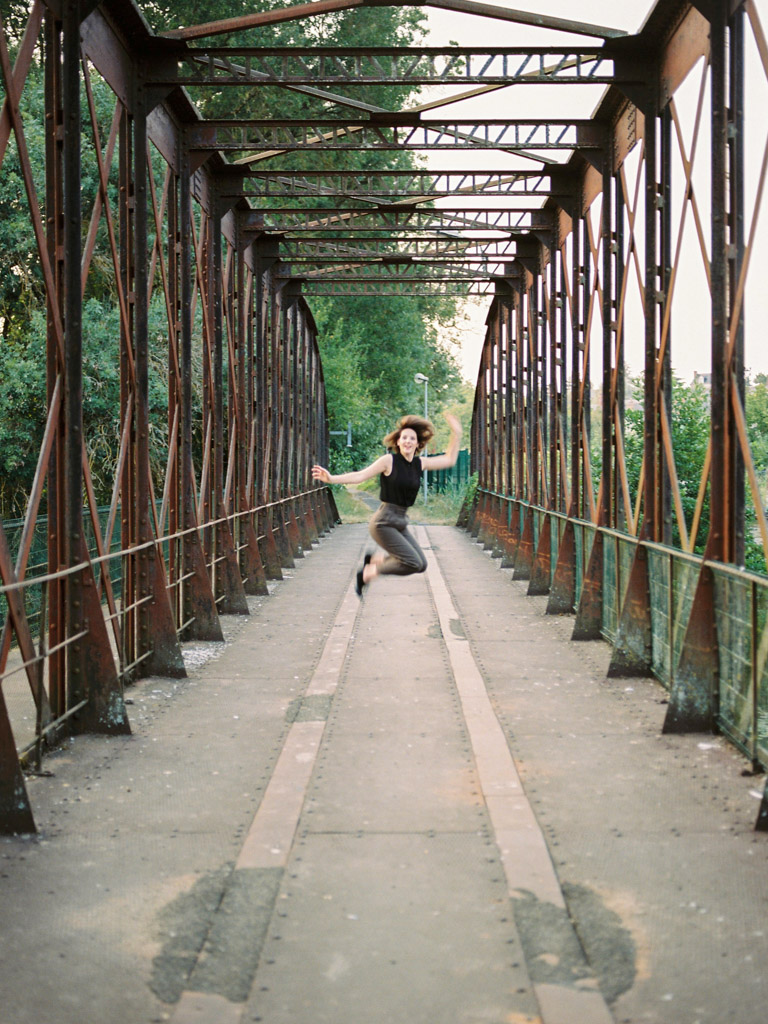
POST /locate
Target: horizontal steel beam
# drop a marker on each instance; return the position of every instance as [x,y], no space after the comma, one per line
[385,184]
[395,289]
[382,248]
[295,12]
[236,66]
[400,132]
[390,218]
[406,243]
[382,272]
[404,261]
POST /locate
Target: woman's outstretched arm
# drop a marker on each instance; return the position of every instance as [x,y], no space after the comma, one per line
[382,465]
[448,459]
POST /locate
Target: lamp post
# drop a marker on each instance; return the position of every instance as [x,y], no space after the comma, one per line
[420,378]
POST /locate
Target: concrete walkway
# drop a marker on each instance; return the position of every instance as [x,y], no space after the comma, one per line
[425,807]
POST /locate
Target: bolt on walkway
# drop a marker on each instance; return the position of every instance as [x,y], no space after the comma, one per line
[426,807]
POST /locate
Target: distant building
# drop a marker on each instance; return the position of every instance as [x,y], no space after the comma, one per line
[705,379]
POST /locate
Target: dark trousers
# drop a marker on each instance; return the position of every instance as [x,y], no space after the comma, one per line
[389,528]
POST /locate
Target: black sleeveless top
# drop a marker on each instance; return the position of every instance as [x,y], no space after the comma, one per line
[401,487]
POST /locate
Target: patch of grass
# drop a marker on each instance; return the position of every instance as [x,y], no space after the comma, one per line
[440,509]
[351,508]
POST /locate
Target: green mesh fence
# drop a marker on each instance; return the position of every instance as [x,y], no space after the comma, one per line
[584,538]
[761,696]
[37,563]
[610,613]
[454,478]
[685,575]
[733,614]
[554,544]
[741,612]
[659,585]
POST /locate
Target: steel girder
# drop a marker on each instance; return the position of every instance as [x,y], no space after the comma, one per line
[392,132]
[220,66]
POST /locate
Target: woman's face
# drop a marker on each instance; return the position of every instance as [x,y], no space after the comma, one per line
[407,442]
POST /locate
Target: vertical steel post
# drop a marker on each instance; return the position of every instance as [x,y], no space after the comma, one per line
[157,642]
[216,397]
[54,368]
[127,405]
[555,501]
[721,499]
[201,619]
[584,415]
[605,511]
[736,237]
[618,397]
[664,503]
[577,341]
[650,411]
[141,362]
[73,346]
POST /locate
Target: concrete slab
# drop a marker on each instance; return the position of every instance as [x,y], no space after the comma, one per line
[382,928]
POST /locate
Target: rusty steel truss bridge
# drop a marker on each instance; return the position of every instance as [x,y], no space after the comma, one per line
[577,232]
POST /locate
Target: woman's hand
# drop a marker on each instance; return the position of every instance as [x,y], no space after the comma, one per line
[320,473]
[453,423]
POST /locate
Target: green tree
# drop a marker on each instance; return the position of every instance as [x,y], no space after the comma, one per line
[690,422]
[380,345]
[756,411]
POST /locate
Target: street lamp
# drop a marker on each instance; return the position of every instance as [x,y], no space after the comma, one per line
[420,378]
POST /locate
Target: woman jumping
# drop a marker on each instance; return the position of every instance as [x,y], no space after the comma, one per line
[401,473]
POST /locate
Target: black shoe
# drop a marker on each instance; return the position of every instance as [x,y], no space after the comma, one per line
[359,581]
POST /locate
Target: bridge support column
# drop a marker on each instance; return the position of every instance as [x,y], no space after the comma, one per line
[473,516]
[542,562]
[166,658]
[281,536]
[511,535]
[99,687]
[761,825]
[270,555]
[251,567]
[332,510]
[295,532]
[562,594]
[229,583]
[311,528]
[632,653]
[15,811]
[692,698]
[524,553]
[589,615]
[478,526]
[301,527]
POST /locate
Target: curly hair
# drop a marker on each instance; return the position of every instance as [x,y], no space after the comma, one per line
[425,431]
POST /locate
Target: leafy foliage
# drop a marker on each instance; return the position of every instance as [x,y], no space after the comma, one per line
[379,345]
[23,406]
[690,437]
